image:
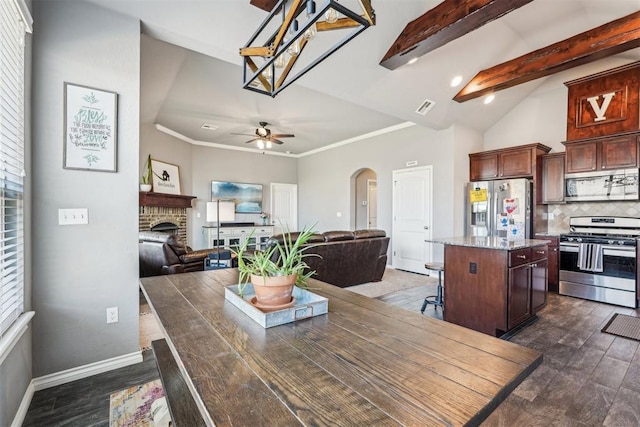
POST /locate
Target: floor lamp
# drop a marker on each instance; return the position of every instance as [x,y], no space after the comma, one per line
[219,211]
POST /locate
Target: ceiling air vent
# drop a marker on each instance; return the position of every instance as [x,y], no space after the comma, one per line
[209,126]
[424,108]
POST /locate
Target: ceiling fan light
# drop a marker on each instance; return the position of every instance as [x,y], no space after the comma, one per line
[261,144]
[269,144]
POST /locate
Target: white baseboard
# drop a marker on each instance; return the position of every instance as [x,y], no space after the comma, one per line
[21,414]
[85,371]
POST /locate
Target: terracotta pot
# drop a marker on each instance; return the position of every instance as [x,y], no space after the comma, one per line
[275,290]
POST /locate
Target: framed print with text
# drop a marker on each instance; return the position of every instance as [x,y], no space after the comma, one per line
[90,129]
[166,177]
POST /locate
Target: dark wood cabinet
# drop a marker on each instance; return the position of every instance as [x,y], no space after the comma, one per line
[494,290]
[553,261]
[513,162]
[527,283]
[617,152]
[553,178]
[518,308]
[581,157]
[483,167]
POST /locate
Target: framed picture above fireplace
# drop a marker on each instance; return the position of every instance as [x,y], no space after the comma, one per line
[246,197]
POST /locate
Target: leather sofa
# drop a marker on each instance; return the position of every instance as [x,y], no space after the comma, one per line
[165,253]
[346,258]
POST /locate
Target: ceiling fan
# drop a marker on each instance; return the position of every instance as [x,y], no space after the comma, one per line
[264,136]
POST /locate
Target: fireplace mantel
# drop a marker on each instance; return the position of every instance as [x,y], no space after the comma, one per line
[149,198]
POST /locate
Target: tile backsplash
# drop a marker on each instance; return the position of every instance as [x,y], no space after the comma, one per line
[562,213]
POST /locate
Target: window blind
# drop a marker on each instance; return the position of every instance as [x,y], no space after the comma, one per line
[12,33]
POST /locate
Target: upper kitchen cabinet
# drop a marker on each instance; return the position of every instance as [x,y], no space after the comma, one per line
[513,162]
[553,178]
[615,152]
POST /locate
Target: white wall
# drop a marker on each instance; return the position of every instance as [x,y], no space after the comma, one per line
[324,178]
[542,116]
[79,271]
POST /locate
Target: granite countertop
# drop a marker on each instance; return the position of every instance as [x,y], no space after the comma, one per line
[489,242]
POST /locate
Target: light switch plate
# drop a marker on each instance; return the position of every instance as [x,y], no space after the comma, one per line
[73,216]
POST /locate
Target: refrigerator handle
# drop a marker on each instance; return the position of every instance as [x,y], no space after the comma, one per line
[494,210]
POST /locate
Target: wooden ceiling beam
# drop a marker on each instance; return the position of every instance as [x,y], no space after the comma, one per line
[609,39]
[266,5]
[445,22]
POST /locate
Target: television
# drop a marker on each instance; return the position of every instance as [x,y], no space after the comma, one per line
[246,197]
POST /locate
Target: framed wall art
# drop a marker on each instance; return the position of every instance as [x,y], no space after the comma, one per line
[90,129]
[166,177]
[246,197]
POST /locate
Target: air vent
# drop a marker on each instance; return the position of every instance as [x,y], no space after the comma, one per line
[209,126]
[424,108]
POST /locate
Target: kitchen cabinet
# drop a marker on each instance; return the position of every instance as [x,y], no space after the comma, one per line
[512,162]
[527,284]
[553,178]
[617,152]
[492,289]
[553,260]
[235,237]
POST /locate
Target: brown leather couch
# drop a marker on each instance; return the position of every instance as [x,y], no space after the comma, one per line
[165,253]
[347,258]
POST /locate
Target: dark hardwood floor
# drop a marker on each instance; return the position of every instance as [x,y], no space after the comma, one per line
[587,378]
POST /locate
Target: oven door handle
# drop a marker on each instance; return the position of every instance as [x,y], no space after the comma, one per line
[606,250]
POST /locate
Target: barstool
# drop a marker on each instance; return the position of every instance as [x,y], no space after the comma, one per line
[438,299]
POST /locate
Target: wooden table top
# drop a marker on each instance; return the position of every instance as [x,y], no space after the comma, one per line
[364,363]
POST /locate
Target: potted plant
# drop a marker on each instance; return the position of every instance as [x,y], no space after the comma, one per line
[145,182]
[274,272]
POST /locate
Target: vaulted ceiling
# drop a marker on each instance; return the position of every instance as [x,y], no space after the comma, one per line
[191,70]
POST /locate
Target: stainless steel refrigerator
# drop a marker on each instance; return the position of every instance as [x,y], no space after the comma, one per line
[500,208]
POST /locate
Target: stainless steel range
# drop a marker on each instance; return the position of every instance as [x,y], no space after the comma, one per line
[598,259]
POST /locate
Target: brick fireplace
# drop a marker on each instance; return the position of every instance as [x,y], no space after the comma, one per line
[156,209]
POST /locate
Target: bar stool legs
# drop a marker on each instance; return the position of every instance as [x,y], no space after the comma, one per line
[436,300]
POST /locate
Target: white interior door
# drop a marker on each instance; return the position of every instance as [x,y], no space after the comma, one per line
[372,203]
[284,207]
[412,218]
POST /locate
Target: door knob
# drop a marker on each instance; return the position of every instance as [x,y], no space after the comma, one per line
[426,227]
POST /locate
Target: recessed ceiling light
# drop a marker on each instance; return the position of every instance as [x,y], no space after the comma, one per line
[456,81]
[412,61]
[489,99]
[209,126]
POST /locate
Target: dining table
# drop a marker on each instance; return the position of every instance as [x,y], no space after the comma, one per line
[364,362]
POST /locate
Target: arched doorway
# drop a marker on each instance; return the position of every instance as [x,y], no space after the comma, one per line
[364,199]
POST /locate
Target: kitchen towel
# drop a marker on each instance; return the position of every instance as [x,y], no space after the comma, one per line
[590,257]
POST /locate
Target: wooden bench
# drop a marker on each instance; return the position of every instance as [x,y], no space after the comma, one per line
[182,407]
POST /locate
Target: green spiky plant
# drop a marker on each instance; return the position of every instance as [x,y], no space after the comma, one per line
[146,172]
[290,259]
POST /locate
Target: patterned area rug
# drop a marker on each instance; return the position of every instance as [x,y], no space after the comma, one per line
[623,326]
[392,281]
[132,407]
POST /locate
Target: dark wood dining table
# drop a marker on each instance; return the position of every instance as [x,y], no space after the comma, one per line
[364,363]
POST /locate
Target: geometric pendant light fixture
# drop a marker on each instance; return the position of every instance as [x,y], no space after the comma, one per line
[298,35]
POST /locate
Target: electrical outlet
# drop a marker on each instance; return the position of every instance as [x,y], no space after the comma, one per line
[339,214]
[112,315]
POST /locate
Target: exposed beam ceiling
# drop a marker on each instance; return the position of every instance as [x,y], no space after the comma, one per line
[446,22]
[609,39]
[266,5]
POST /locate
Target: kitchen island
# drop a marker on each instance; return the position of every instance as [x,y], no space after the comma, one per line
[365,362]
[492,284]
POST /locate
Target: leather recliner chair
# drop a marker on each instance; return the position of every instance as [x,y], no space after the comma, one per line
[165,253]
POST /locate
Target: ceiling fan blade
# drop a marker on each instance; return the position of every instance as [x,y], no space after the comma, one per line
[282,135]
[251,140]
[276,141]
[243,134]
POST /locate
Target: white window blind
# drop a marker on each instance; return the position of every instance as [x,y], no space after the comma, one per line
[12,33]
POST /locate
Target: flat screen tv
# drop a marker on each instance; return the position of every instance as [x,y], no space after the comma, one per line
[247,197]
